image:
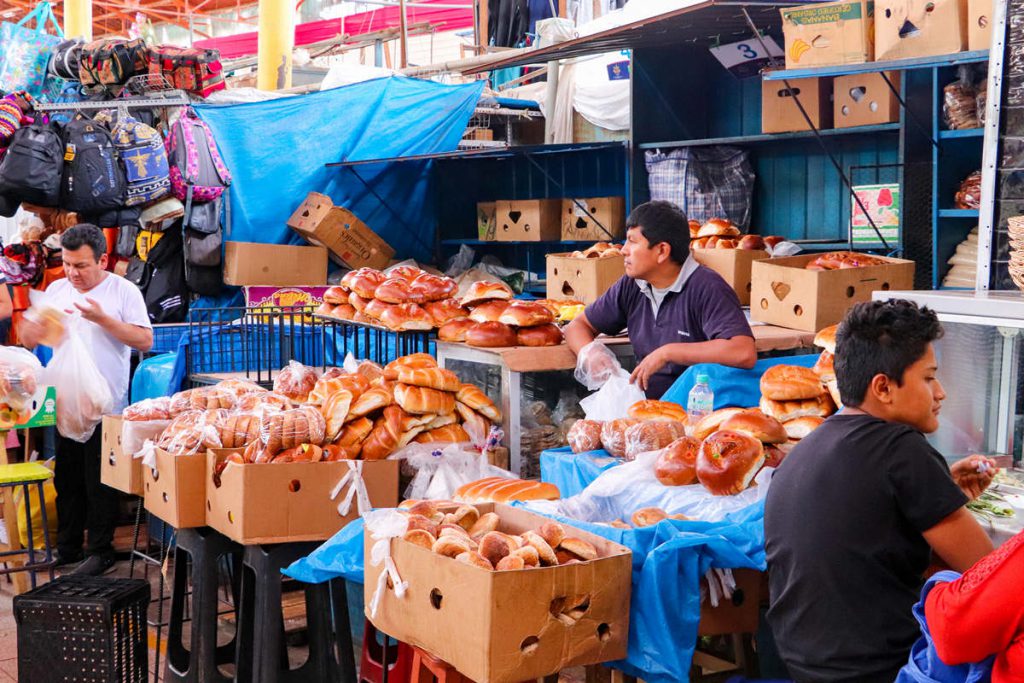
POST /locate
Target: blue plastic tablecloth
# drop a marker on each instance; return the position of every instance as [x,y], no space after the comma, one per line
[732,386]
[573,472]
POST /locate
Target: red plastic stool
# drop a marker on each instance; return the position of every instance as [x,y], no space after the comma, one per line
[371,669]
[426,669]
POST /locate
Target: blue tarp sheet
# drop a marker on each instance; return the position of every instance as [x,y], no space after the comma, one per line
[277,151]
[573,472]
[732,386]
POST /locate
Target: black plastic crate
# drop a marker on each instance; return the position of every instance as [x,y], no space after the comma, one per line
[84,629]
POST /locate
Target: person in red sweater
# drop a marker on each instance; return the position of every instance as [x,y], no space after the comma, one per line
[982,614]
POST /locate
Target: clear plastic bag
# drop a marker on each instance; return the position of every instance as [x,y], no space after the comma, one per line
[135,433]
[440,472]
[149,410]
[613,399]
[20,372]
[193,432]
[291,428]
[959,103]
[83,395]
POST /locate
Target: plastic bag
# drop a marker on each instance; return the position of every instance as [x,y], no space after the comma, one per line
[20,372]
[595,365]
[149,410]
[613,399]
[969,194]
[959,102]
[193,432]
[134,434]
[83,395]
[440,472]
[26,51]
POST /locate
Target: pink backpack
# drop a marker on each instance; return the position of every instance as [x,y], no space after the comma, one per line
[194,160]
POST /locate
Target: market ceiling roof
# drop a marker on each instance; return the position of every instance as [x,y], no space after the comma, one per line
[704,23]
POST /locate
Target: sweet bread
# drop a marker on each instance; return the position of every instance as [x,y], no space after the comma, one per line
[445,311]
[422,400]
[408,316]
[434,287]
[784,411]
[296,381]
[718,227]
[481,291]
[364,282]
[648,517]
[336,295]
[656,410]
[525,314]
[472,396]
[335,411]
[407,273]
[491,335]
[539,335]
[240,430]
[584,436]
[677,464]
[489,311]
[728,461]
[709,424]
[652,435]
[764,428]
[455,330]
[375,309]
[413,360]
[398,291]
[475,424]
[452,433]
[613,435]
[384,438]
[790,383]
[474,559]
[433,378]
[148,409]
[503,490]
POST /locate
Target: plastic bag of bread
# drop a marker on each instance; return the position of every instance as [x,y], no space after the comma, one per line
[960,103]
[439,472]
[142,421]
[969,194]
[296,381]
[291,428]
[194,432]
[83,395]
[613,435]
[202,398]
[584,436]
[651,435]
[20,372]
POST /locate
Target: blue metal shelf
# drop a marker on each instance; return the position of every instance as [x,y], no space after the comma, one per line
[963,133]
[871,67]
[958,213]
[773,137]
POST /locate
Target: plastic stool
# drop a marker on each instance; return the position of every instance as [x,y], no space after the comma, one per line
[427,668]
[262,655]
[371,664]
[25,475]
[203,548]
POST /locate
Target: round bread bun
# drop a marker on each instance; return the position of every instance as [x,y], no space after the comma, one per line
[455,331]
[825,368]
[802,426]
[584,435]
[482,291]
[491,335]
[775,454]
[406,317]
[526,314]
[325,309]
[398,291]
[694,228]
[784,411]
[758,425]
[489,311]
[772,241]
[648,517]
[711,242]
[833,390]
[364,282]
[790,383]
[445,310]
[826,338]
[344,312]
[656,410]
[357,302]
[699,243]
[721,227]
[539,335]
[376,308]
[407,273]
[677,464]
[710,423]
[434,287]
[336,295]
[751,242]
[728,461]
[726,243]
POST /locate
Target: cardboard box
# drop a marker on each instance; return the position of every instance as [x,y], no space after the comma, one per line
[739,615]
[349,240]
[865,100]
[828,33]
[281,503]
[979,24]
[528,220]
[580,219]
[919,28]
[584,279]
[779,113]
[250,263]
[118,470]
[734,265]
[481,134]
[176,490]
[510,626]
[485,221]
[785,293]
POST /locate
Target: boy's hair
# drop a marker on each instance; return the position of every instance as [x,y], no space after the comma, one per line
[660,221]
[880,338]
[85,234]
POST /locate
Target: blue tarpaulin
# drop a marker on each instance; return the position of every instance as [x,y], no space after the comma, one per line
[277,151]
[732,386]
[573,472]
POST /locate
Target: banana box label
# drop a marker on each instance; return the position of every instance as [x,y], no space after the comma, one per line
[829,33]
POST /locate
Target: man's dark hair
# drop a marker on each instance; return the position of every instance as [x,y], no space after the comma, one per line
[85,234]
[661,221]
[881,338]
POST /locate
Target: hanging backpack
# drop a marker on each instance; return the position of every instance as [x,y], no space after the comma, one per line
[144,158]
[112,61]
[195,163]
[32,166]
[193,70]
[93,179]
[66,60]
[166,296]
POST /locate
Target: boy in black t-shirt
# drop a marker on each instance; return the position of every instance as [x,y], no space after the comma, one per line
[856,509]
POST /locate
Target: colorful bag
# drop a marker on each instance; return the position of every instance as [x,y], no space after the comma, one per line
[93,180]
[195,163]
[26,51]
[112,61]
[144,159]
[193,70]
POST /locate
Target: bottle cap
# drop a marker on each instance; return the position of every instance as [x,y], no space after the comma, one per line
[703,379]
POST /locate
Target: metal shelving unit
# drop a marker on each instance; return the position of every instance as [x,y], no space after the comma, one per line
[933,62]
[168,98]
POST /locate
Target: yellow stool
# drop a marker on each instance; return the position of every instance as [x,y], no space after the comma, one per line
[25,475]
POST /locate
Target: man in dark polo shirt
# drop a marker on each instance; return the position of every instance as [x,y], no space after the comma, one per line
[678,313]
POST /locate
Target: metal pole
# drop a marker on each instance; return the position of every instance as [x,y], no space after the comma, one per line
[276,41]
[403,36]
[378,53]
[78,19]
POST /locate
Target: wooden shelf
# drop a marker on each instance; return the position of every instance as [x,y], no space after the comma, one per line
[774,137]
[872,67]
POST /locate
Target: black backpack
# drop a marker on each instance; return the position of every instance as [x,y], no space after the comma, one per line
[93,179]
[31,167]
[161,277]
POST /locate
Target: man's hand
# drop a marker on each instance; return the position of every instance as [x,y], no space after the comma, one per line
[654,361]
[595,365]
[92,311]
[973,474]
[30,332]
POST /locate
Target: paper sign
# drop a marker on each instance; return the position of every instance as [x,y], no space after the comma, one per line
[747,57]
[883,205]
[618,71]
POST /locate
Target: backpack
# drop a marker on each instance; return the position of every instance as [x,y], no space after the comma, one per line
[93,179]
[112,61]
[195,163]
[144,158]
[31,168]
[193,70]
[162,280]
[66,60]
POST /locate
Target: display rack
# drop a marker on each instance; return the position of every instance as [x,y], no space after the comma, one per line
[168,98]
[369,342]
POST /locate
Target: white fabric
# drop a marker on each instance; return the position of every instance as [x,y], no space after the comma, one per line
[600,100]
[561,117]
[122,301]
[356,490]
[383,525]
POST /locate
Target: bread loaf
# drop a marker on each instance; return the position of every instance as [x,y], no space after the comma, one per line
[481,291]
[728,461]
[433,378]
[445,311]
[489,311]
[721,227]
[434,287]
[408,316]
[677,464]
[613,435]
[336,296]
[648,517]
[296,381]
[526,314]
[291,428]
[584,436]
[421,400]
[452,433]
[240,430]
[491,335]
[802,426]
[709,424]
[502,490]
[454,331]
[651,435]
[148,409]
[762,427]
[364,282]
[784,411]
[657,410]
[473,397]
[539,335]
[825,367]
[790,383]
[266,402]
[384,438]
[826,338]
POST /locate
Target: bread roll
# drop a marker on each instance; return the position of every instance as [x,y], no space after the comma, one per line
[296,381]
[772,241]
[404,317]
[728,461]
[148,409]
[833,391]
[335,380]
[584,436]
[528,554]
[482,291]
[494,546]
[694,228]
[581,549]
[376,309]
[826,338]
[452,433]
[725,243]
[510,563]
[240,430]
[657,410]
[552,532]
[825,367]
[336,296]
[444,311]
[478,426]
[413,360]
[526,314]
[475,559]
[677,464]
[325,309]
[544,550]
[407,273]
[473,397]
[267,401]
[489,311]
[344,312]
[451,546]
[434,287]
[710,423]
[762,427]
[699,243]
[384,438]
[422,400]
[721,227]
[652,435]
[790,383]
[398,291]
[434,378]
[491,335]
[454,331]
[364,282]
[784,411]
[774,454]
[539,335]
[503,490]
[645,517]
[802,426]
[358,303]
[613,435]
[370,402]
[753,242]
[420,537]
[335,411]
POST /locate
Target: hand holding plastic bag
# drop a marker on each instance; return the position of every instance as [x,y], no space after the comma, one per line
[598,368]
[595,365]
[83,395]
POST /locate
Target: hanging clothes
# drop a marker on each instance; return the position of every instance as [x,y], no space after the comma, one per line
[539,10]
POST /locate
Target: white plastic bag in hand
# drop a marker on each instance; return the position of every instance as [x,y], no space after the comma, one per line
[595,365]
[83,396]
[613,399]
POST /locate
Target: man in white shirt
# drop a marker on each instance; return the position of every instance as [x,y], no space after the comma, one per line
[115,321]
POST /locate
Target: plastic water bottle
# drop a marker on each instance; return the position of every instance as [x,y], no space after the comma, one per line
[701,400]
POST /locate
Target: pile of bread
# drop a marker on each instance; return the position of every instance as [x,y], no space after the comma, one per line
[494,319]
[599,250]
[720,233]
[402,298]
[649,426]
[463,534]
[337,415]
[793,392]
[841,260]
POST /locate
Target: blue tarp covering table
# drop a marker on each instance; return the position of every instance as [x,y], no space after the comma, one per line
[573,472]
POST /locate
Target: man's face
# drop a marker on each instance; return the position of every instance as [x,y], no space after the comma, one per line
[82,268]
[917,402]
[640,257]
